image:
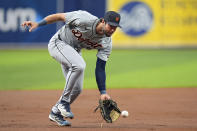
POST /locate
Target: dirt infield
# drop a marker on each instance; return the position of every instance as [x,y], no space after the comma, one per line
[172,109]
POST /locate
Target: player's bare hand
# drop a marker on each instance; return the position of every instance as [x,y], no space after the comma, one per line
[30,24]
[105,97]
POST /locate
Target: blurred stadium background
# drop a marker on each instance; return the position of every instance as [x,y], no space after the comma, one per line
[155,48]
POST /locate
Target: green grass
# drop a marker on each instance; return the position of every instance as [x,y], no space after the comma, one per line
[35,69]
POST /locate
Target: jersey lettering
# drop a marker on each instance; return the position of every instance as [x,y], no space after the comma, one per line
[78,35]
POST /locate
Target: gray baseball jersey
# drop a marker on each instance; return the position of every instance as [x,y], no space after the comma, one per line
[79,32]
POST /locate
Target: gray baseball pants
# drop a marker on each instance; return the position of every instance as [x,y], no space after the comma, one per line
[73,66]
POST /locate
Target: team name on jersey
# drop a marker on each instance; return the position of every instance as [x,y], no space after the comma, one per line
[79,37]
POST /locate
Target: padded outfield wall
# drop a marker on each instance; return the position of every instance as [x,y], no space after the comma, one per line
[156,23]
[14,12]
[145,23]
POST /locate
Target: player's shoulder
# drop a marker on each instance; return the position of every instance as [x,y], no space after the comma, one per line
[87,18]
[86,15]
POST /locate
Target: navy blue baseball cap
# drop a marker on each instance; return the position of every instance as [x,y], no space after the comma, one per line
[112,18]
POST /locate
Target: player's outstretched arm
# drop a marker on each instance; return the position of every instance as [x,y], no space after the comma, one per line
[101,78]
[47,20]
[55,17]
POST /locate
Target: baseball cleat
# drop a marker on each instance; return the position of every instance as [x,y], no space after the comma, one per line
[65,110]
[59,119]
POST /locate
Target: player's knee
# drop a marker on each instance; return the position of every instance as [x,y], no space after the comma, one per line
[80,67]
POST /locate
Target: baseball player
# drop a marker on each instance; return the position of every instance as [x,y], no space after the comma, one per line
[81,30]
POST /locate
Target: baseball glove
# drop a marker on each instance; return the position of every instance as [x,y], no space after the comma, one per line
[109,110]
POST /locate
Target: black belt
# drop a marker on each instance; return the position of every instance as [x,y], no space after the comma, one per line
[59,37]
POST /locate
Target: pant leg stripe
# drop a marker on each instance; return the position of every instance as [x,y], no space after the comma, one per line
[62,53]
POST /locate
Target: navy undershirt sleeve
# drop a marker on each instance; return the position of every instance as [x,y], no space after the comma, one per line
[100,75]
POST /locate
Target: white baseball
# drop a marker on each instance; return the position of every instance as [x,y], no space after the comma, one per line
[124,113]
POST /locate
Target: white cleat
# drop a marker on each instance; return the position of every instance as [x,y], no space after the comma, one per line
[59,119]
[65,110]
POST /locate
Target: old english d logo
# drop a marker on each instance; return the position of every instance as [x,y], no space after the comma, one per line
[117,18]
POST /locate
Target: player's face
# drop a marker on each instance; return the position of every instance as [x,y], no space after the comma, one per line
[109,29]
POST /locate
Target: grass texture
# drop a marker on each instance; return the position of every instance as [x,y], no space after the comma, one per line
[27,69]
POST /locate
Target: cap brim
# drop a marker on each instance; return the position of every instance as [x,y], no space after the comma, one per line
[114,24]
